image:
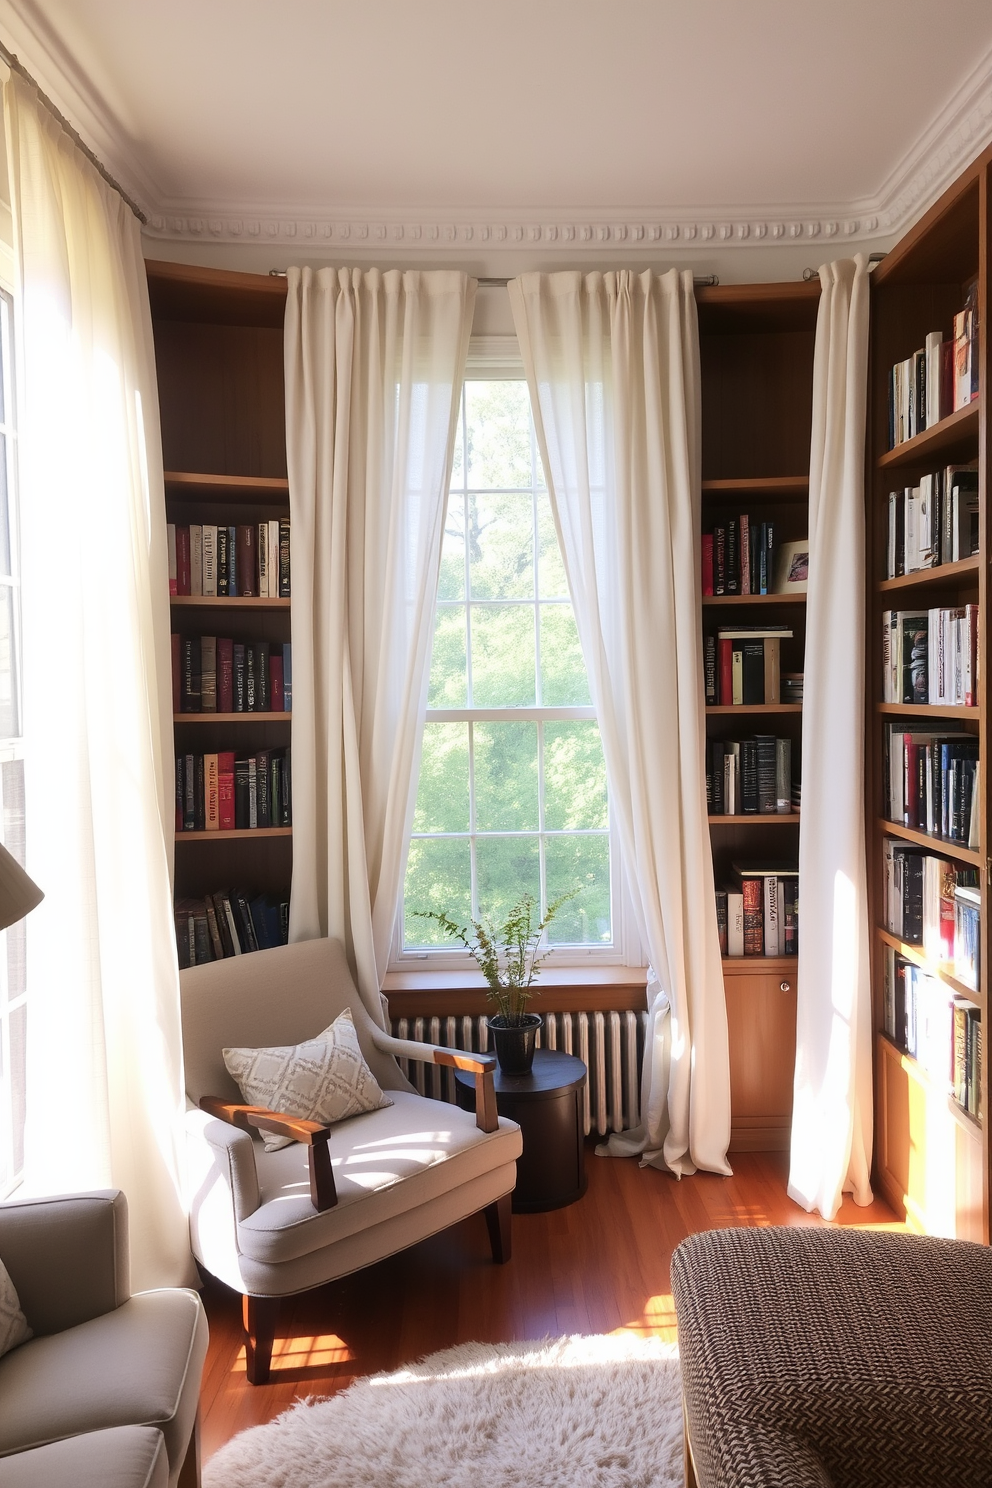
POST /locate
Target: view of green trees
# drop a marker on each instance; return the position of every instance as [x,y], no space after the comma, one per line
[505,638]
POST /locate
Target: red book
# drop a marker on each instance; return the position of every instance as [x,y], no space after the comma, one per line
[247,560]
[754,917]
[182,560]
[176,675]
[225,674]
[725,659]
[277,700]
[225,791]
[707,563]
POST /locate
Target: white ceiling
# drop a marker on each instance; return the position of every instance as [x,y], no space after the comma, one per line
[750,116]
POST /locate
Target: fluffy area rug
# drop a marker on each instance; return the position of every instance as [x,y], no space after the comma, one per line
[599,1412]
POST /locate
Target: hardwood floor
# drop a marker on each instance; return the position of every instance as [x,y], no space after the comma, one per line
[595,1267]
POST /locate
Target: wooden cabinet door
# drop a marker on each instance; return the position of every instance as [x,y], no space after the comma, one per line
[761,1022]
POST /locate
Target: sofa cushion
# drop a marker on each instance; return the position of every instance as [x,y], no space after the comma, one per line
[13,1324]
[385,1162]
[136,1366]
[120,1457]
[323,1079]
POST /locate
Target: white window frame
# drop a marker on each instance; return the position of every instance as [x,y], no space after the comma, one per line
[493,359]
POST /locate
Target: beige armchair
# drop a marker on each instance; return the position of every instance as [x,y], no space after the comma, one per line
[272,1224]
[107,1390]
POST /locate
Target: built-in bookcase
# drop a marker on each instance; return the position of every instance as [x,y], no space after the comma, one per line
[756,352]
[219,359]
[931,1155]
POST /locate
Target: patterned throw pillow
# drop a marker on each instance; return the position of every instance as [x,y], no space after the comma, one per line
[13,1324]
[324,1079]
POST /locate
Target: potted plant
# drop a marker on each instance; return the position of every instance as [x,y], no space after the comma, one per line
[506,954]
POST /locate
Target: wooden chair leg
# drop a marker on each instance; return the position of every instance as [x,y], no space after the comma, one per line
[189,1473]
[498,1224]
[260,1315]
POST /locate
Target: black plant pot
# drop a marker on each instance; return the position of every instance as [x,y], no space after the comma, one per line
[514,1042]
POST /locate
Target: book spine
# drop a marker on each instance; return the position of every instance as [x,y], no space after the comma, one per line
[735,923]
[733,575]
[223,590]
[225,791]
[262,800]
[766,746]
[753,917]
[247,564]
[721,919]
[737,676]
[209,561]
[719,560]
[208,674]
[284,572]
[771,921]
[261,656]
[287,676]
[225,674]
[212,804]
[276,698]
[262,548]
[238,687]
[251,679]
[170,535]
[176,646]
[725,648]
[745,543]
[273,559]
[196,558]
[749,777]
[182,560]
[706,550]
[190,674]
[232,562]
[783,777]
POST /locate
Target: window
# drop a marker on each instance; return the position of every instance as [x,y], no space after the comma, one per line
[512,787]
[13,985]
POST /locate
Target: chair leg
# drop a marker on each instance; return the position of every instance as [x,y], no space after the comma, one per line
[189,1473]
[498,1224]
[260,1315]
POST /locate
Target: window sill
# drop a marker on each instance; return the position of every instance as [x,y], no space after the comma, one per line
[565,989]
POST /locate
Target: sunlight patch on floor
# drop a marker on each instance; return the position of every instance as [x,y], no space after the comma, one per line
[304,1352]
[656,1321]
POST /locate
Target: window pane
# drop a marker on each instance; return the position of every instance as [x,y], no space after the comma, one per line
[582,863]
[502,656]
[438,877]
[505,757]
[16,1073]
[574,777]
[501,546]
[498,418]
[442,791]
[551,570]
[458,460]
[564,682]
[449,674]
[508,868]
[9,714]
[4,504]
[451,580]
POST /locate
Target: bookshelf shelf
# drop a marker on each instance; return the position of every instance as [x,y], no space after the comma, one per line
[926,710]
[770,487]
[956,431]
[758,819]
[246,833]
[182,718]
[922,1078]
[739,710]
[242,489]
[766,964]
[919,958]
[944,575]
[199,602]
[754,599]
[942,845]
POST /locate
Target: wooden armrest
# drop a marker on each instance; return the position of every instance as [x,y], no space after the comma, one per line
[312,1134]
[482,1066]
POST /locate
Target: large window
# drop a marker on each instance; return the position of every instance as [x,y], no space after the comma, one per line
[512,788]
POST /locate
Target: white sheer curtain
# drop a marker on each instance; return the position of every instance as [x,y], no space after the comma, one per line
[832,1115]
[374,364]
[613,366]
[104,1062]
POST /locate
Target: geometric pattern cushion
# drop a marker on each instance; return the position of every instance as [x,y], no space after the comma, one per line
[13,1324]
[837,1357]
[324,1079]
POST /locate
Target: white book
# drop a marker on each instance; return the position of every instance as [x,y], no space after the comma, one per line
[771,915]
[274,559]
[263,560]
[209,560]
[974,825]
[933,355]
[196,558]
[735,923]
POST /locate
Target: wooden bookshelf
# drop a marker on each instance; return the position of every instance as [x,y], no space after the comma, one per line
[219,359]
[931,1157]
[756,356]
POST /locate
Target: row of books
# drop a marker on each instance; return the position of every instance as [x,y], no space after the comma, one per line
[225,792]
[214,674]
[933,903]
[742,664]
[249,559]
[750,777]
[758,913]
[931,656]
[933,523]
[229,923]
[938,379]
[737,557]
[930,781]
[936,1027]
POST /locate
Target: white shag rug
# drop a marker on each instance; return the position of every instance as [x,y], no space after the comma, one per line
[599,1412]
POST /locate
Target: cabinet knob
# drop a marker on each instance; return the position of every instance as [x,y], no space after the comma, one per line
[785,986]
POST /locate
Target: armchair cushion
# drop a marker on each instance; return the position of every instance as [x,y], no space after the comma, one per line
[121,1457]
[13,1324]
[325,1079]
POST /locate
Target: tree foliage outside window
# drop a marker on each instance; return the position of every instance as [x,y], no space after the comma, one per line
[512,789]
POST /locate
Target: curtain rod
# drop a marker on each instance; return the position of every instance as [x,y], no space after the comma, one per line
[16,66]
[701,281]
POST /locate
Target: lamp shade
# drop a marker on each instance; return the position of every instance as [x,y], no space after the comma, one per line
[18,893]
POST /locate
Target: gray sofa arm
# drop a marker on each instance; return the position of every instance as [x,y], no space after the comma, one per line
[67,1256]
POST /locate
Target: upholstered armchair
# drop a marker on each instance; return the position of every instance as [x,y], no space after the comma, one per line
[339,1197]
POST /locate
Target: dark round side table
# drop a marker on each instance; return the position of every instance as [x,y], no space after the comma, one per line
[547,1106]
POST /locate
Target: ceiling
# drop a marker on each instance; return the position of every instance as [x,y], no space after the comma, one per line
[746,117]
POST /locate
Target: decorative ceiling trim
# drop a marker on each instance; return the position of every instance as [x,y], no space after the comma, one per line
[961,129]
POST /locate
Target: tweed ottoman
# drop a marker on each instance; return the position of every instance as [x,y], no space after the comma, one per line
[828,1358]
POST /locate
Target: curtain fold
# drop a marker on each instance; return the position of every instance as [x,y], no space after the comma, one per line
[104,1088]
[374,364]
[832,1113]
[612,361]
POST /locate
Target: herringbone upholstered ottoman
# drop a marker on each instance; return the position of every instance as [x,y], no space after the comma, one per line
[835,1359]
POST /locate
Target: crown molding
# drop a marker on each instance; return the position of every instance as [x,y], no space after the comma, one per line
[961,129]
